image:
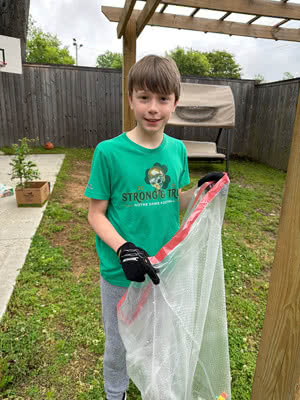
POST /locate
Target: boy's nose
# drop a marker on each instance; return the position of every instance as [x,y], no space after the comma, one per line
[153,107]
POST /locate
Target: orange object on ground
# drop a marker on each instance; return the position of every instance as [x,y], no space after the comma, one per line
[49,146]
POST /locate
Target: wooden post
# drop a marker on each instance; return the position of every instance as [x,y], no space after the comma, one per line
[277,374]
[129,58]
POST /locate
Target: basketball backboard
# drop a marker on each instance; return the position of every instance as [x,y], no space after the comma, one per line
[10,55]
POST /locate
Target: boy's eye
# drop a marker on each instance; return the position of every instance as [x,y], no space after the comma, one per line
[164,98]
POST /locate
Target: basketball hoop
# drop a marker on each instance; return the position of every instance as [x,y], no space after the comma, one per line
[10,54]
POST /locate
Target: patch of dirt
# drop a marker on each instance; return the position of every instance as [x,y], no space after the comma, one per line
[273,213]
[79,366]
[74,192]
[75,238]
[83,257]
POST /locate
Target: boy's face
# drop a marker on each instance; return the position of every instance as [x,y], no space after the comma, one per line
[152,110]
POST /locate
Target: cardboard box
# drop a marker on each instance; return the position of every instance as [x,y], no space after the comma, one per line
[34,196]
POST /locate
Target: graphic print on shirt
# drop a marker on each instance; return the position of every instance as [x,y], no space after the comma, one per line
[156,176]
[157,191]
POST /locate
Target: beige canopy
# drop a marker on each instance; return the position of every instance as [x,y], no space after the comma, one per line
[204,105]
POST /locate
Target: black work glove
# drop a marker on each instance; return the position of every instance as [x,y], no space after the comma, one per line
[212,176]
[135,263]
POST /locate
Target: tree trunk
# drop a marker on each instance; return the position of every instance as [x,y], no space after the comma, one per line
[14,20]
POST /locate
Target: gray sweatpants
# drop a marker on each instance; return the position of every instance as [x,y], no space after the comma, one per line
[115,373]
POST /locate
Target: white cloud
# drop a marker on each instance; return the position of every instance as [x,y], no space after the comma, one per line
[84,21]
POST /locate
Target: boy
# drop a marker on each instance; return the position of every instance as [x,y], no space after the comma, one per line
[135,191]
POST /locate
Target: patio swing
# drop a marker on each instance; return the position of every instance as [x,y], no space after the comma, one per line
[208,106]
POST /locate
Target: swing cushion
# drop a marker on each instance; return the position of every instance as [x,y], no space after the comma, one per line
[202,150]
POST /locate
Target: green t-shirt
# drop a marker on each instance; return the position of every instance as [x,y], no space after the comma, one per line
[141,186]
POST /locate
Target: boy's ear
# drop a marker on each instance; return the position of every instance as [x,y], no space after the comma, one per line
[130,101]
[175,105]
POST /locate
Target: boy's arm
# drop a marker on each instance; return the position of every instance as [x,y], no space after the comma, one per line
[134,260]
[102,226]
[185,198]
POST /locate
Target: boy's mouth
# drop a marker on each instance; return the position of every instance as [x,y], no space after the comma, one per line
[152,120]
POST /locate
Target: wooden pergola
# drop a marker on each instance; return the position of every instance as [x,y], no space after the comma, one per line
[277,374]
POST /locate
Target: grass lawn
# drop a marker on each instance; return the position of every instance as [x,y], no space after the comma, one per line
[51,338]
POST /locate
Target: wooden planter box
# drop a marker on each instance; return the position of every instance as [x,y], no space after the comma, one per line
[34,196]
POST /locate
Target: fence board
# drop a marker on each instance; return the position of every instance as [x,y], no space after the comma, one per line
[53,104]
[11,105]
[93,131]
[101,107]
[3,114]
[81,106]
[16,83]
[77,108]
[272,122]
[72,122]
[84,110]
[2,105]
[24,108]
[58,134]
[28,100]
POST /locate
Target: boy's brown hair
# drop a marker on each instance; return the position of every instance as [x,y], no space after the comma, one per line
[155,73]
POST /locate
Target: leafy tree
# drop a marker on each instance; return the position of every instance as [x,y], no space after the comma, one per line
[109,60]
[259,78]
[190,62]
[45,48]
[223,65]
[287,75]
[217,63]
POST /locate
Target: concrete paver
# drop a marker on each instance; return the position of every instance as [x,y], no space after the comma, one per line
[18,225]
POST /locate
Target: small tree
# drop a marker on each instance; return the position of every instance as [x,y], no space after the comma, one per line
[190,62]
[23,170]
[259,78]
[223,65]
[287,75]
[219,64]
[45,48]
[109,60]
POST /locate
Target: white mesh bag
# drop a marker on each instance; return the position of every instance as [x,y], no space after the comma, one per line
[175,333]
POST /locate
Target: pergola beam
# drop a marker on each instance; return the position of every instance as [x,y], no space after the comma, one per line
[282,22]
[129,58]
[252,20]
[194,12]
[225,16]
[263,8]
[126,13]
[146,15]
[210,25]
[163,8]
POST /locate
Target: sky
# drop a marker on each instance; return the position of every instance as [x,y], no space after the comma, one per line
[85,22]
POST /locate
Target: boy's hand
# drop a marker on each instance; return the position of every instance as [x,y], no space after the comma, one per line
[212,176]
[135,263]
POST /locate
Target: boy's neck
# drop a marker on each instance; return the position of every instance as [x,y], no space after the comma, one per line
[145,140]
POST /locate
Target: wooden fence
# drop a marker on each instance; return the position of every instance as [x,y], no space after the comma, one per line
[81,106]
[271,130]
[73,107]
